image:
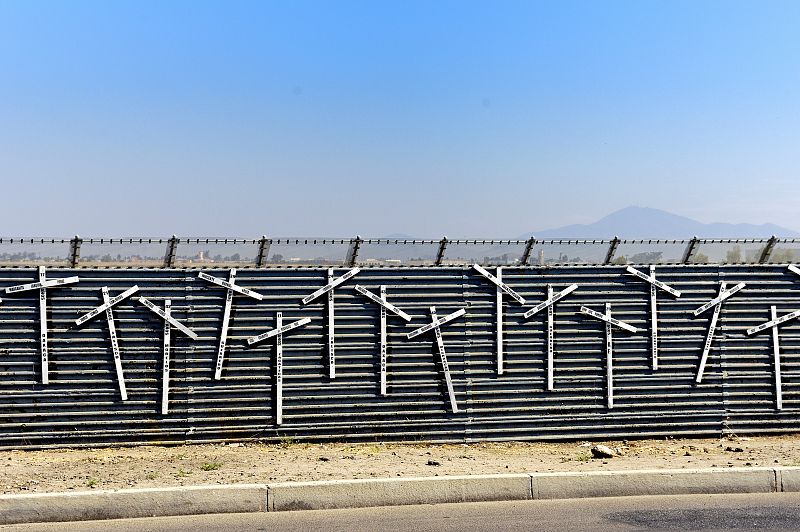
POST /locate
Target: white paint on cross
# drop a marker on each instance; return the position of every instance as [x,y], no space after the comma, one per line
[384,306]
[281,329]
[655,285]
[43,284]
[108,303]
[549,303]
[333,282]
[501,288]
[773,324]
[550,300]
[231,288]
[435,325]
[169,322]
[278,332]
[608,319]
[716,302]
[610,322]
[723,295]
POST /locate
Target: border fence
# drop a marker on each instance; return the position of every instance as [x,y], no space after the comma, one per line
[173,340]
[387,252]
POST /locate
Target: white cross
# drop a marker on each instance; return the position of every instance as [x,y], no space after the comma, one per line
[609,321]
[280,329]
[501,288]
[437,322]
[230,287]
[331,285]
[550,304]
[497,281]
[328,289]
[655,284]
[385,305]
[724,294]
[42,286]
[435,325]
[278,332]
[550,300]
[169,322]
[776,349]
[108,303]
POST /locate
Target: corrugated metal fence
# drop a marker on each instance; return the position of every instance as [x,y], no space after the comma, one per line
[81,405]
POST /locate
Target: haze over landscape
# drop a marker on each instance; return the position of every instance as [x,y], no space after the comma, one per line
[427,118]
[643,222]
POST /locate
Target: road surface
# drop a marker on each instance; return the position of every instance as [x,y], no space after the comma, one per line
[773,511]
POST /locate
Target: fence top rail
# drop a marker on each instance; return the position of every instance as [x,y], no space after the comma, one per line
[383,240]
[266,251]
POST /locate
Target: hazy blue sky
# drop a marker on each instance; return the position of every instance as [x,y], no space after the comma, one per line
[374,117]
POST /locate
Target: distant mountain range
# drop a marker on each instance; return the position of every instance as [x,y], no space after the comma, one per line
[644,222]
[632,223]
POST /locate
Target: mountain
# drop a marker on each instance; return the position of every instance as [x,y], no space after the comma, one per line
[646,223]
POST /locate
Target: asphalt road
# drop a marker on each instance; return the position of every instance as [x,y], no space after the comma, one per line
[775,511]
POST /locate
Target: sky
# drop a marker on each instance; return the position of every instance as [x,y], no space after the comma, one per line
[429,118]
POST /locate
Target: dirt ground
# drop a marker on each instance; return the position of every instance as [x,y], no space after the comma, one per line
[151,466]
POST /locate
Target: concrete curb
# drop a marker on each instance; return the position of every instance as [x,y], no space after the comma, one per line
[130,503]
[243,498]
[397,491]
[654,482]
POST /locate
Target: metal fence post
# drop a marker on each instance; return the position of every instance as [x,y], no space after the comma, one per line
[526,255]
[440,253]
[767,251]
[74,251]
[691,248]
[169,257]
[263,251]
[612,249]
[352,252]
